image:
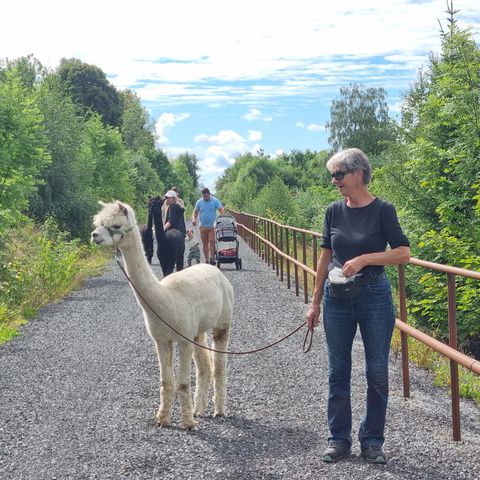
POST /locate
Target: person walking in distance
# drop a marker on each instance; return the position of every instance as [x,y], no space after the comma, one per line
[206,211]
[352,290]
[178,201]
[175,220]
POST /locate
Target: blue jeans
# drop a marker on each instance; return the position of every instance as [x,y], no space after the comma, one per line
[373,312]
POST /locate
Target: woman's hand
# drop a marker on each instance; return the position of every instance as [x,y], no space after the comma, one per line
[352,267]
[313,316]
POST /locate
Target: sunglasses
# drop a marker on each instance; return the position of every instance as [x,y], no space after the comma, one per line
[340,174]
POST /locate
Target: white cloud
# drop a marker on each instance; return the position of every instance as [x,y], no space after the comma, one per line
[256,149]
[279,57]
[224,137]
[254,135]
[217,152]
[170,119]
[161,140]
[313,127]
[256,114]
[165,121]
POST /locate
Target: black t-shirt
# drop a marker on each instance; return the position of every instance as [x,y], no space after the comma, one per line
[176,218]
[350,232]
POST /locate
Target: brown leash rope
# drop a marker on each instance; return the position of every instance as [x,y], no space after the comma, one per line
[309,331]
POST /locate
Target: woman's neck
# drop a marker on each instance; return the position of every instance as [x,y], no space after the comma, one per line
[360,198]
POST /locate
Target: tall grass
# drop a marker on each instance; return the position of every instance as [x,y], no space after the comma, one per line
[39,265]
[439,366]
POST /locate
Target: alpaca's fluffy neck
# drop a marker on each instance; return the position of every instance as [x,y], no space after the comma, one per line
[136,264]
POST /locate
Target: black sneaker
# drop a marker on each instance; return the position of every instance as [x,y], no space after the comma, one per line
[374,454]
[336,451]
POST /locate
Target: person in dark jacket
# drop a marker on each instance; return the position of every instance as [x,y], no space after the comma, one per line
[175,220]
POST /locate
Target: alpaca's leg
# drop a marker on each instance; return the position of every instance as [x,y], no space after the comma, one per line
[167,266]
[220,342]
[167,382]
[179,261]
[183,385]
[204,375]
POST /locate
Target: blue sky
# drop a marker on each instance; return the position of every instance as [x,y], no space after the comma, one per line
[225,77]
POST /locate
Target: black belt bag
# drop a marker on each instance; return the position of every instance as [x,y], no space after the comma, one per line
[353,289]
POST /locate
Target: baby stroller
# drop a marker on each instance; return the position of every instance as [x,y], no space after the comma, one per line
[226,231]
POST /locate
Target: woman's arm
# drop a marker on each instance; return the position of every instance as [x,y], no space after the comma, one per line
[313,315]
[395,256]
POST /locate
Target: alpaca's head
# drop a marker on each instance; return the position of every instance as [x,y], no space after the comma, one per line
[112,224]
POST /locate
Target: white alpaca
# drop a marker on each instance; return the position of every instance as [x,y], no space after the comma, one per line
[192,301]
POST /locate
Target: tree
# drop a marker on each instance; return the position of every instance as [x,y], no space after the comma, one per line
[145,183]
[191,163]
[249,171]
[67,180]
[112,170]
[90,89]
[28,69]
[136,127]
[275,201]
[184,181]
[360,119]
[23,152]
[434,174]
[163,168]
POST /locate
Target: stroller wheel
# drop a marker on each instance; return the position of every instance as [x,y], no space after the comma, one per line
[218,263]
[237,264]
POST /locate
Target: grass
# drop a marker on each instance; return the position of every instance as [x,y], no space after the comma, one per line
[39,266]
[425,357]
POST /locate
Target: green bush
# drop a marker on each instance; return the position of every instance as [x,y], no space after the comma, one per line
[37,266]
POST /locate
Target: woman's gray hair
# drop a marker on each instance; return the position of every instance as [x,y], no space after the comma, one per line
[352,159]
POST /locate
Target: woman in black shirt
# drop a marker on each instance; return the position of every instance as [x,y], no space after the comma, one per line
[175,220]
[351,289]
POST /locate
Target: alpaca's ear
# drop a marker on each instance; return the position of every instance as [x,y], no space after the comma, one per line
[101,203]
[123,208]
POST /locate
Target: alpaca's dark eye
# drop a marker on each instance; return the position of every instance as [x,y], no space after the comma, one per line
[116,227]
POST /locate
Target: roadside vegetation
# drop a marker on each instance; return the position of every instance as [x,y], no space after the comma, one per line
[38,266]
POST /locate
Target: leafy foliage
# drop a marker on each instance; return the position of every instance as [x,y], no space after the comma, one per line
[89,88]
[360,119]
[37,265]
[64,192]
[275,201]
[23,152]
[434,176]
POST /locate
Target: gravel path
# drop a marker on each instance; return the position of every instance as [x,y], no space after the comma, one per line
[79,391]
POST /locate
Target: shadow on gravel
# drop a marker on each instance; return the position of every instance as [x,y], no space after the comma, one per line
[244,446]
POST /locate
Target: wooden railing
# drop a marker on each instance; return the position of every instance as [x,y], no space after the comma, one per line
[285,248]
